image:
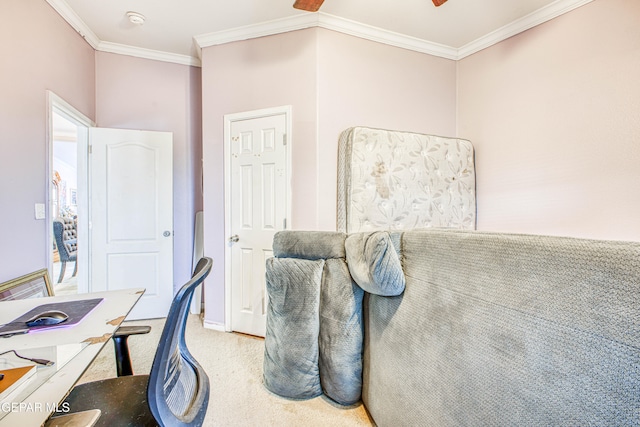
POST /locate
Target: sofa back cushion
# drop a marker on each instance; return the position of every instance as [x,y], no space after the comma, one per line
[497,329]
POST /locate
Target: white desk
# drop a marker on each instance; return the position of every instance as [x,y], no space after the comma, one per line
[95,329]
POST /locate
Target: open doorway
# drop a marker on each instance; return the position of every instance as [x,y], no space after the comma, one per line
[65,205]
[68,199]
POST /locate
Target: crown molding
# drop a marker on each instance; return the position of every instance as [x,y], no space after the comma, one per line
[330,22]
[269,28]
[75,21]
[322,20]
[78,24]
[540,16]
[357,29]
[368,32]
[148,54]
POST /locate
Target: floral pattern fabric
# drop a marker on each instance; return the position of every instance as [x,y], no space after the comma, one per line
[391,180]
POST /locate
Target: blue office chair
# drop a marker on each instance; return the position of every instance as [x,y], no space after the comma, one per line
[175,393]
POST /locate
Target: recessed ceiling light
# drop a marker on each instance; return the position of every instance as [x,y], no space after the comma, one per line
[136,18]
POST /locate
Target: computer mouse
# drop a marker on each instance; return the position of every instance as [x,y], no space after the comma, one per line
[52,317]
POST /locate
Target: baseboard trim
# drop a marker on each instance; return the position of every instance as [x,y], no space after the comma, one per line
[214,325]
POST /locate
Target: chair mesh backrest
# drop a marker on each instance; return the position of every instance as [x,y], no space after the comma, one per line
[180,384]
[178,390]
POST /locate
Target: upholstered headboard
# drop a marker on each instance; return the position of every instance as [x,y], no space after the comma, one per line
[391,180]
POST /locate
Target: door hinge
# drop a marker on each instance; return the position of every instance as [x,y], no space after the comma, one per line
[90,149]
[284,139]
[284,224]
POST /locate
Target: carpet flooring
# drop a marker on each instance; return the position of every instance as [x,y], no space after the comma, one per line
[233,363]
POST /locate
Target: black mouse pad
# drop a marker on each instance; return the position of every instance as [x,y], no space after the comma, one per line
[76,310]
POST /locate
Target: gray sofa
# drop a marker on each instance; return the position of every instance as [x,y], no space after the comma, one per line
[497,329]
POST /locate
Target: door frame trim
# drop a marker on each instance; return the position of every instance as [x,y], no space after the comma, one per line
[56,104]
[228,121]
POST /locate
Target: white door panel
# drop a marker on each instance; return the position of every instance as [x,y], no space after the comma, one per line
[132,216]
[259,206]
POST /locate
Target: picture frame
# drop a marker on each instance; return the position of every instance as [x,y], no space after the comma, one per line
[32,285]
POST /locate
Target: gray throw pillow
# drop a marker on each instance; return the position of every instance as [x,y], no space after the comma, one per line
[374,263]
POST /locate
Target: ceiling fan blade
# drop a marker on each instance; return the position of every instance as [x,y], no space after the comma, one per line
[309,5]
[439,2]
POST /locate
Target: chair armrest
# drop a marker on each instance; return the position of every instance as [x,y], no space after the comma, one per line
[120,337]
[131,330]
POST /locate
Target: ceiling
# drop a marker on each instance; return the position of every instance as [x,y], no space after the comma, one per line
[174,26]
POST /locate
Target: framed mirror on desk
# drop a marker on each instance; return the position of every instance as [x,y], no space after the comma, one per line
[32,285]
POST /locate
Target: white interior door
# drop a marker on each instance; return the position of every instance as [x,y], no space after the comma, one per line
[259,208]
[131,211]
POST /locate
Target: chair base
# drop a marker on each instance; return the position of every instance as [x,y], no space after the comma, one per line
[122,401]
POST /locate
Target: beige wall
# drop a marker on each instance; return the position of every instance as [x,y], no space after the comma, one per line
[333,81]
[250,75]
[39,51]
[554,114]
[135,93]
[363,83]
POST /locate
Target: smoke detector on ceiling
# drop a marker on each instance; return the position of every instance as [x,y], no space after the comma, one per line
[136,18]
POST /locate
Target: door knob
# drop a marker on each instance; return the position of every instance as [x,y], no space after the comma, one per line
[234,238]
[166,233]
